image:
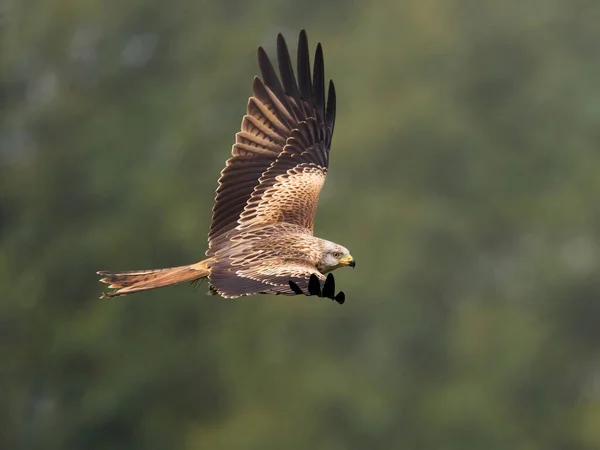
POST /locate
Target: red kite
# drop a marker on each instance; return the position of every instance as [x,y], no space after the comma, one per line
[261,237]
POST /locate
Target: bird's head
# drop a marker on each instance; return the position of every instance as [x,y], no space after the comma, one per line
[334,256]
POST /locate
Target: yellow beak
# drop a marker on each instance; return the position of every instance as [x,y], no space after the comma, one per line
[348,261]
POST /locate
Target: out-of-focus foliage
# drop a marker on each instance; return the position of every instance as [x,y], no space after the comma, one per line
[464,178]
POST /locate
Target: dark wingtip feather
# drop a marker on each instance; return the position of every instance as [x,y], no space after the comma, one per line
[303,67]
[319,82]
[267,71]
[329,288]
[295,288]
[271,80]
[330,114]
[286,70]
[303,36]
[314,286]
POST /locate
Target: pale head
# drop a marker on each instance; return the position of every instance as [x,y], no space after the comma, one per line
[333,256]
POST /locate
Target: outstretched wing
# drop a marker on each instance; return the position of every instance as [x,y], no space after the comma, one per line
[281,154]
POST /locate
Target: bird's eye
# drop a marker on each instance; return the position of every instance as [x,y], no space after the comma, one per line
[336,254]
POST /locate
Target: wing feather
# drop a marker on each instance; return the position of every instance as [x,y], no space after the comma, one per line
[266,95]
[330,111]
[288,78]
[281,154]
[256,141]
[270,114]
[304,69]
[319,84]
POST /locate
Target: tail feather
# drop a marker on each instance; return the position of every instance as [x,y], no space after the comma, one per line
[130,281]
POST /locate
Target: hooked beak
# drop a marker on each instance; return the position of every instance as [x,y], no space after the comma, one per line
[348,261]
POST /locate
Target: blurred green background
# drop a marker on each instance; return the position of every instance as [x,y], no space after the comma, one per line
[464,179]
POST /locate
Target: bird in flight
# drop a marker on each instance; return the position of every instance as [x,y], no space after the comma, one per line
[261,238]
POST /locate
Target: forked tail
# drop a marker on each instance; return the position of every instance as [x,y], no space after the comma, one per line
[131,281]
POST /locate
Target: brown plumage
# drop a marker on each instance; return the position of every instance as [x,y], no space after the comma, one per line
[128,282]
[261,237]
